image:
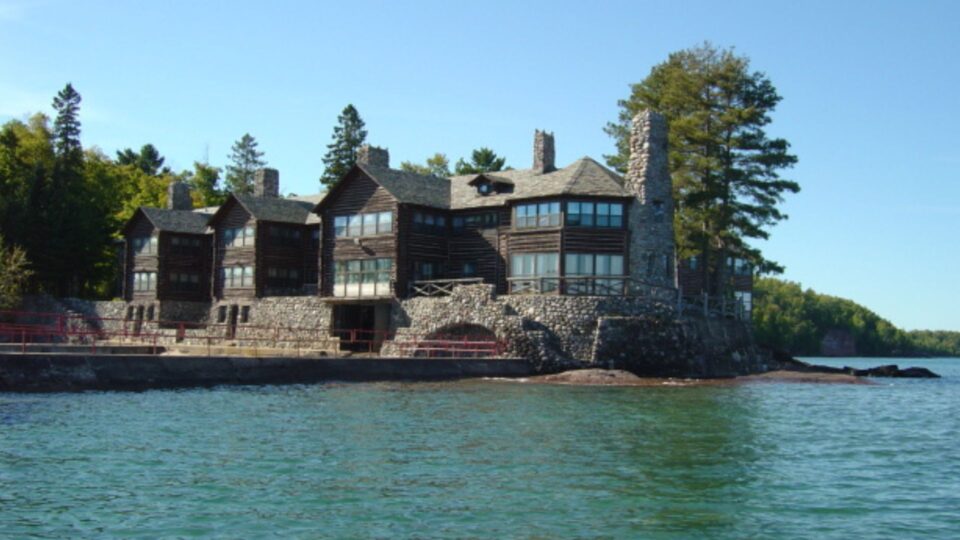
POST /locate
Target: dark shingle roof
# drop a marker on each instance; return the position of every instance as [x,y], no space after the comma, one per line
[411,188]
[274,209]
[583,177]
[178,221]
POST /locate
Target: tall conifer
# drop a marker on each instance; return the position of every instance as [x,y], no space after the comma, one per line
[348,135]
[244,160]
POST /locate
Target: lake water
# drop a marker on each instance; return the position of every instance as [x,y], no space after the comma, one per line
[487,459]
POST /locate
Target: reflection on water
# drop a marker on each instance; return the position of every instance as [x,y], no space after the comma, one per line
[487,459]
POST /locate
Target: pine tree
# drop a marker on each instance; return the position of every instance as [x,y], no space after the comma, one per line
[341,154]
[147,160]
[66,128]
[482,160]
[244,160]
[725,169]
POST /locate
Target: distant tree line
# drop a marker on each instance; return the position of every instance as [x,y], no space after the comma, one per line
[793,319]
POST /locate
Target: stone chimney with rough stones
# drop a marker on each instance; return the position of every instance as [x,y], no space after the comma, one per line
[178,196]
[266,183]
[373,155]
[652,246]
[543,152]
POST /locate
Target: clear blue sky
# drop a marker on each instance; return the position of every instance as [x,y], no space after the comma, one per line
[871,101]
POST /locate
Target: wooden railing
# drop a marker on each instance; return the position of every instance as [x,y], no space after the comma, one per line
[439,287]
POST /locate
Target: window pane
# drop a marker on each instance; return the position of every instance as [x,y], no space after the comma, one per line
[616,265]
[603,265]
[571,263]
[355,227]
[385,222]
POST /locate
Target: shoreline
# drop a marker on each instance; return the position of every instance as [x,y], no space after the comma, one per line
[615,377]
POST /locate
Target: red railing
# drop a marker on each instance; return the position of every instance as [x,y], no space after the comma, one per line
[63,328]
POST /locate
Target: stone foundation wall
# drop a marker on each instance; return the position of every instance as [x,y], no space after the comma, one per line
[640,334]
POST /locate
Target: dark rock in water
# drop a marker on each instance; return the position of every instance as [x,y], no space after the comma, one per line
[892,370]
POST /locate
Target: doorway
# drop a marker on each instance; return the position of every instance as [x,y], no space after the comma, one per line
[361,327]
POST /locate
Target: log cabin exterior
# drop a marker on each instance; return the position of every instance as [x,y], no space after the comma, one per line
[264,246]
[382,235]
[167,256]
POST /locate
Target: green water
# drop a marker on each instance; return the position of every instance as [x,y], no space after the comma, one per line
[487,459]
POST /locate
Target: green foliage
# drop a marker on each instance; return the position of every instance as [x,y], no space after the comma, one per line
[14,274]
[66,127]
[724,166]
[937,342]
[244,160]
[348,135]
[204,181]
[147,160]
[437,165]
[795,320]
[482,160]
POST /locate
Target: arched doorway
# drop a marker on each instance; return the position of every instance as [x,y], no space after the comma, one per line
[460,341]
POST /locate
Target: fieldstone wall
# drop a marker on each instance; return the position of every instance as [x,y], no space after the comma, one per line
[282,322]
[651,214]
[657,346]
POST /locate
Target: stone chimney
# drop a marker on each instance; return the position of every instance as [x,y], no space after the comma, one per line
[266,183]
[652,245]
[178,196]
[373,155]
[543,152]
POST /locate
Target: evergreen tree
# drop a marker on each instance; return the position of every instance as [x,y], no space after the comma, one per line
[66,127]
[244,160]
[437,165]
[725,167]
[482,160]
[14,273]
[348,135]
[147,160]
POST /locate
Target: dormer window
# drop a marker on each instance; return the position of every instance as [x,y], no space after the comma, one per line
[488,185]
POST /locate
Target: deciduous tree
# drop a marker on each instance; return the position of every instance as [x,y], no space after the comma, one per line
[437,165]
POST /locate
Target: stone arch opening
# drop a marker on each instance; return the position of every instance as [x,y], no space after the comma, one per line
[460,341]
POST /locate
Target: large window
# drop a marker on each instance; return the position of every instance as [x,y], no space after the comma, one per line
[485,220]
[591,268]
[239,236]
[237,277]
[425,270]
[370,224]
[364,277]
[534,272]
[144,281]
[282,280]
[184,244]
[429,223]
[544,214]
[184,281]
[594,214]
[285,236]
[144,245]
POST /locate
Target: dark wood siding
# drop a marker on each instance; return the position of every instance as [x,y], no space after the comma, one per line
[358,195]
[279,250]
[235,216]
[139,263]
[480,245]
[186,259]
[419,245]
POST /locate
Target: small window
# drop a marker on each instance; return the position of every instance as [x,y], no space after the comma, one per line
[150,313]
[245,314]
[469,269]
[222,314]
[658,210]
[485,188]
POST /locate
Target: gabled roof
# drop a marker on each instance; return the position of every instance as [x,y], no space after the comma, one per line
[269,209]
[177,221]
[411,188]
[405,187]
[584,177]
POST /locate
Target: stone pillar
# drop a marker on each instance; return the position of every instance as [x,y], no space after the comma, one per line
[652,245]
[373,155]
[543,152]
[178,196]
[266,183]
